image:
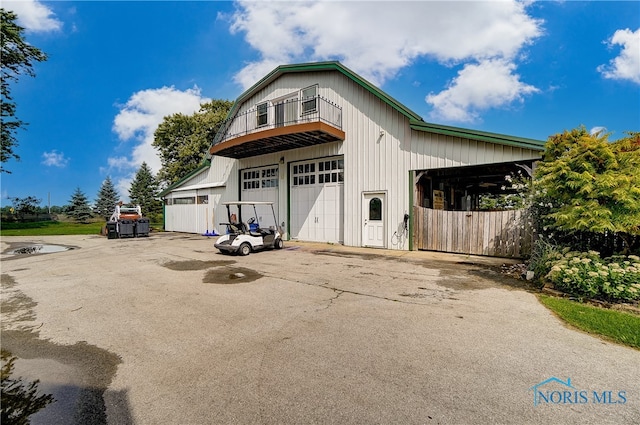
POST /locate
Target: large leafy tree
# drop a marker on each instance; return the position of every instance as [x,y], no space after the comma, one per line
[79,208]
[18,58]
[587,184]
[183,140]
[108,197]
[144,192]
[25,206]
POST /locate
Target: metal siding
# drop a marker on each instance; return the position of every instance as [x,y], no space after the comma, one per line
[191,218]
[370,164]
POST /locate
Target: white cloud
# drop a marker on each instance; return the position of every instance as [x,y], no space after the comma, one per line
[54,159]
[377,39]
[598,130]
[34,16]
[139,118]
[625,66]
[478,87]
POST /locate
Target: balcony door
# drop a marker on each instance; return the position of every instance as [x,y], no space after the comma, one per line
[286,111]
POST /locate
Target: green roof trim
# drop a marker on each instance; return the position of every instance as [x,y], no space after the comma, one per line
[502,139]
[415,121]
[203,166]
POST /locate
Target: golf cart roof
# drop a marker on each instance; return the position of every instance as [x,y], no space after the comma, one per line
[248,203]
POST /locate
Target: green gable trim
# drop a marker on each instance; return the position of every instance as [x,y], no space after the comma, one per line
[205,164]
[502,139]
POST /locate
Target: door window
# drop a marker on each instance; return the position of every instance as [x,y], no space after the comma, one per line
[375,209]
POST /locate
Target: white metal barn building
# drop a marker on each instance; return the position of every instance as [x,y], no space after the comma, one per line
[343,161]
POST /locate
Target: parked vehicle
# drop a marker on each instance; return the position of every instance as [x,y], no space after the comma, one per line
[244,237]
[127,222]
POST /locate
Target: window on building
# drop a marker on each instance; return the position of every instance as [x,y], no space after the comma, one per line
[304,174]
[260,178]
[184,201]
[270,177]
[331,171]
[309,99]
[261,114]
[375,209]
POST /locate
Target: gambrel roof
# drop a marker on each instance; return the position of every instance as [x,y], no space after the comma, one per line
[415,121]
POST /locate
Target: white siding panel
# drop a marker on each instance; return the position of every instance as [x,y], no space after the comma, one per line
[373,162]
[194,218]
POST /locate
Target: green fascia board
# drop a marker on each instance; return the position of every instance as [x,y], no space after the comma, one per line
[502,139]
[205,164]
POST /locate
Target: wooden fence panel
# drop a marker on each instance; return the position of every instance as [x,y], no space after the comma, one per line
[490,233]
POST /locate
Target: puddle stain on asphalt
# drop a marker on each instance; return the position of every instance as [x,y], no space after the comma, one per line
[22,249]
[189,265]
[231,275]
[40,249]
[461,276]
[16,306]
[20,399]
[93,368]
[218,271]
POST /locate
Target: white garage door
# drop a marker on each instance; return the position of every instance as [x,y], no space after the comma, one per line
[260,184]
[317,192]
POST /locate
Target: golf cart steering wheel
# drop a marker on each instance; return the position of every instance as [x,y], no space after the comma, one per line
[251,220]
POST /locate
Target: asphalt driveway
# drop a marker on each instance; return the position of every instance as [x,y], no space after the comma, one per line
[164,330]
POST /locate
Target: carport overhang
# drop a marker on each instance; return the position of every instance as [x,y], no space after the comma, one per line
[278,139]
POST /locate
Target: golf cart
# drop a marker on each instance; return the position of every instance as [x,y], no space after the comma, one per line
[243,237]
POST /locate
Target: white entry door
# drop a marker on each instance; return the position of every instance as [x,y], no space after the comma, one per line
[374,216]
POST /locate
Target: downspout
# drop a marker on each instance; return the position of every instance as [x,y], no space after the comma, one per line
[288,191]
[411,188]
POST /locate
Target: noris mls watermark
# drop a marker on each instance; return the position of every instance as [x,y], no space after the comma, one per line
[556,391]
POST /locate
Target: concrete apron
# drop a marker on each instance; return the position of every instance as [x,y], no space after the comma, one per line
[166,330]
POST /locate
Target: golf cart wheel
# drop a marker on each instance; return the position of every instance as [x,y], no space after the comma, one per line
[245,249]
[279,244]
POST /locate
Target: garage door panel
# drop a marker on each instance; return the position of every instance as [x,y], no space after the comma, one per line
[317,199]
[260,185]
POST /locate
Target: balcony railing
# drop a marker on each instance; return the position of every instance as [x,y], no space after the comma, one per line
[269,116]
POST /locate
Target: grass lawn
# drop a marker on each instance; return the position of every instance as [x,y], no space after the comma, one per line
[43,228]
[617,326]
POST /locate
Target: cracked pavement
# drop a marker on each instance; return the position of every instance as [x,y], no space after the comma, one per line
[166,330]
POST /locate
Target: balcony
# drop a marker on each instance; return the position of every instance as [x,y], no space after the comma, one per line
[270,128]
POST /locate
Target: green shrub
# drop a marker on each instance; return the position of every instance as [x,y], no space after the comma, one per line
[586,275]
[542,256]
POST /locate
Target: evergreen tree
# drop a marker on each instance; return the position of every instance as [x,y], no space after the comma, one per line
[144,192]
[79,207]
[108,197]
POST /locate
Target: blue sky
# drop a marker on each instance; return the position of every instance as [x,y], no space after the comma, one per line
[115,69]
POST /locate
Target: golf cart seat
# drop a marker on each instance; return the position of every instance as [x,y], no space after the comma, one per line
[253,232]
[235,228]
